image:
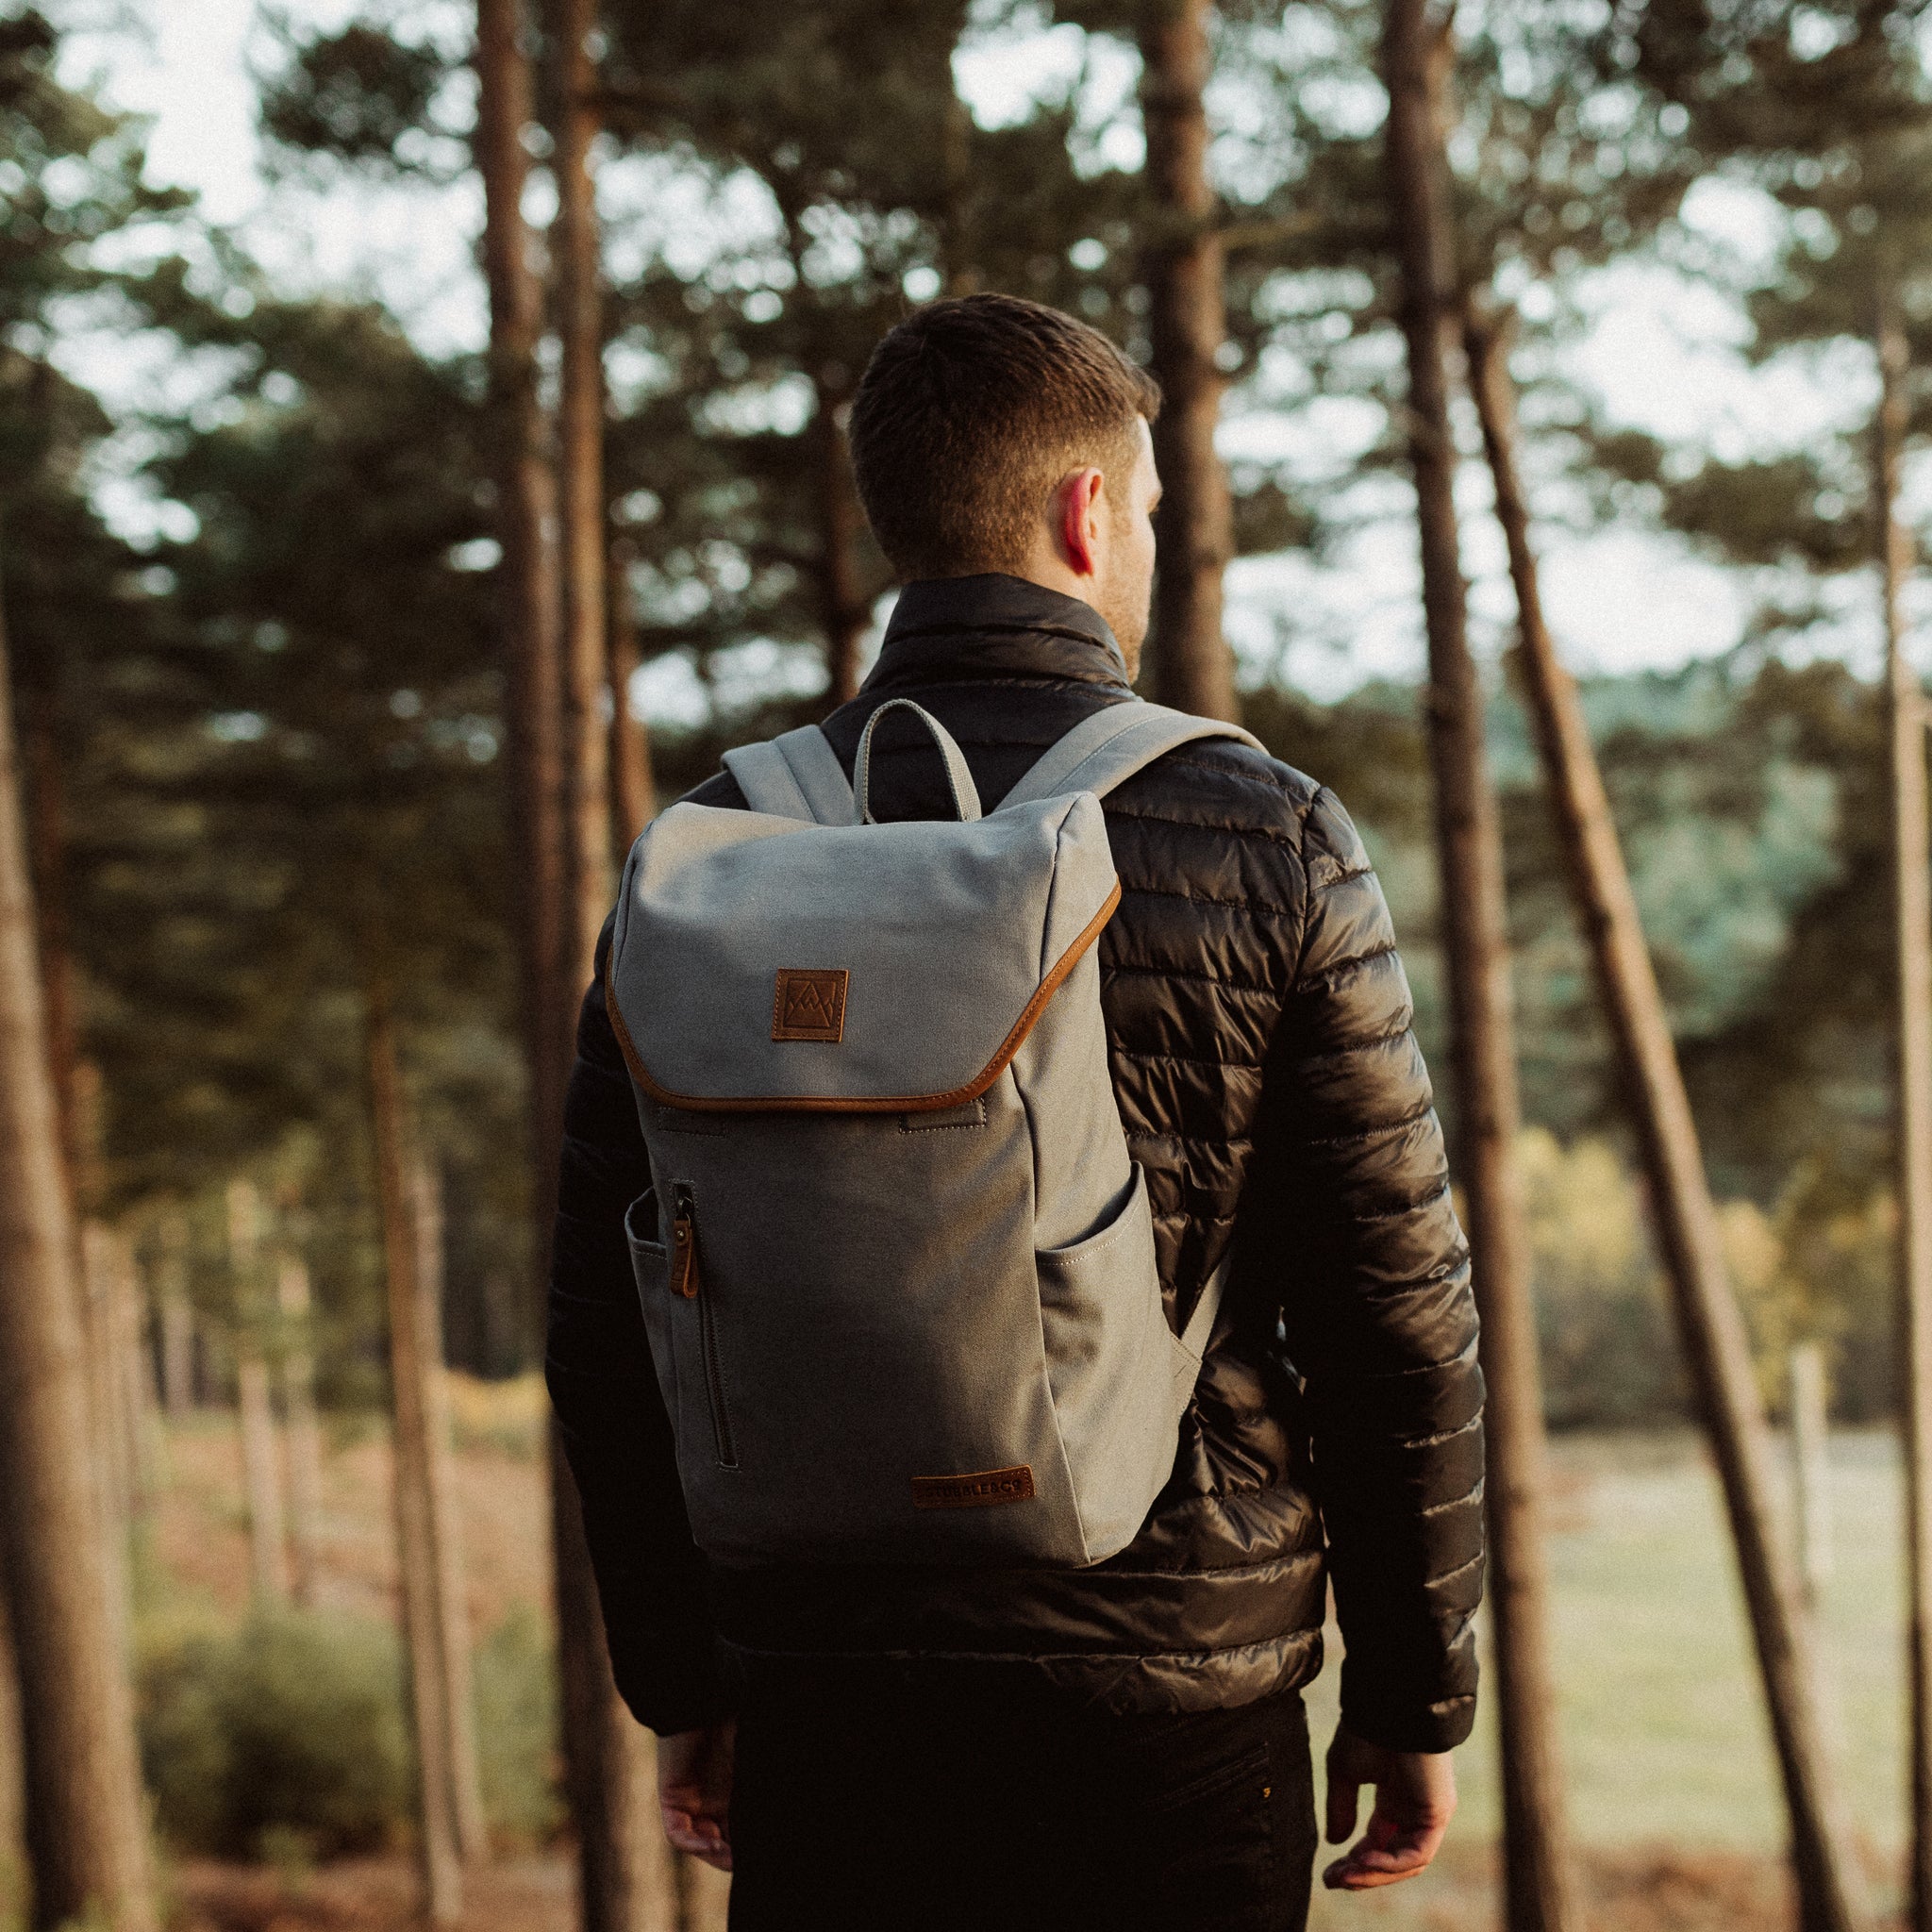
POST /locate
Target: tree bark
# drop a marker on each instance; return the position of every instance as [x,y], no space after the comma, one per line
[1537,1881]
[13,1774]
[304,1432]
[418,1511]
[596,1750]
[87,1841]
[527,516]
[1812,1470]
[633,789]
[101,1288]
[466,1788]
[261,1476]
[1912,916]
[574,255]
[1193,668]
[1711,1324]
[843,607]
[176,1315]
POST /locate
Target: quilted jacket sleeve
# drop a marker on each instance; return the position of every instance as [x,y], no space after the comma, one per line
[1378,1313]
[650,1576]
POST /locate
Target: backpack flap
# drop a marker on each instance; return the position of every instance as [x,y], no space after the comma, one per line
[766,964]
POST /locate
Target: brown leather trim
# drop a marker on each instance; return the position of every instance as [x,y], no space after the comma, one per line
[897,1103]
[977,1491]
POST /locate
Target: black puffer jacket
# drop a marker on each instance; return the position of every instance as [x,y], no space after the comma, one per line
[1274,1093]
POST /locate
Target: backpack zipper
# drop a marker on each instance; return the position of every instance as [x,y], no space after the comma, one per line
[687,1280]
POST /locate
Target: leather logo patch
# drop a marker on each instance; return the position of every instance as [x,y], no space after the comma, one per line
[809,1004]
[972,1492]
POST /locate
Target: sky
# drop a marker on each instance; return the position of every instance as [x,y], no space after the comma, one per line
[1661,354]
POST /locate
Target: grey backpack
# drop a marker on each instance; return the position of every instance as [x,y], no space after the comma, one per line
[897,1266]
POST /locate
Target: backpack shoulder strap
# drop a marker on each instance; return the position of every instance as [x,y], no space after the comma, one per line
[1111,745]
[795,776]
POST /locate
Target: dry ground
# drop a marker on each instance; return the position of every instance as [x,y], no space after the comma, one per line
[1672,1793]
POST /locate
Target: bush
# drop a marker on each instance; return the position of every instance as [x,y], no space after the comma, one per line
[516,1729]
[292,1723]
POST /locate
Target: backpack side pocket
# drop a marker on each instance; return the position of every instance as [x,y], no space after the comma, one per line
[650,1266]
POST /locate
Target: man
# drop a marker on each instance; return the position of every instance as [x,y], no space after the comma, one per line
[1124,1746]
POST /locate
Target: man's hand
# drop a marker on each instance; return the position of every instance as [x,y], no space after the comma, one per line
[1415,1799]
[694,1791]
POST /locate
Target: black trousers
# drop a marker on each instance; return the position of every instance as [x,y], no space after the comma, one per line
[925,1802]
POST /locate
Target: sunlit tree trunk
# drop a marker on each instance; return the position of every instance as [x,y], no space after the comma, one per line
[466,1787]
[13,1771]
[175,1313]
[599,1753]
[294,1302]
[1475,945]
[842,606]
[261,1474]
[1710,1320]
[633,789]
[86,1834]
[1193,668]
[1912,913]
[418,1516]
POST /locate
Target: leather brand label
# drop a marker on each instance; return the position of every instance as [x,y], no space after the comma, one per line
[972,1492]
[809,1004]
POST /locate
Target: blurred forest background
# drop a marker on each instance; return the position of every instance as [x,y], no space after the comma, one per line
[254,610]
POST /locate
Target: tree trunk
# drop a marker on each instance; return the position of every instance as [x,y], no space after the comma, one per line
[103,1327]
[1476,946]
[12,1775]
[304,1435]
[418,1517]
[1912,914]
[1811,1469]
[525,510]
[466,1789]
[261,1476]
[1711,1324]
[633,789]
[1193,668]
[841,525]
[87,1840]
[580,465]
[47,843]
[596,1751]
[176,1314]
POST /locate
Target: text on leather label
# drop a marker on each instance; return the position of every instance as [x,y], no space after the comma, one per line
[809,1004]
[972,1492]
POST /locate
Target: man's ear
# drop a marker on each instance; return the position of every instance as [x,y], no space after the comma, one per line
[1082,515]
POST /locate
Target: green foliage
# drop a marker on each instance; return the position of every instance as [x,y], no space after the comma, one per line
[292,1724]
[516,1729]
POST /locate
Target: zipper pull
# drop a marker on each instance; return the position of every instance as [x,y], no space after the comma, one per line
[684,1245]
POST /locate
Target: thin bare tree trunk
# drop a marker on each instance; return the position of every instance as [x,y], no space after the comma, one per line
[1475,943]
[87,1840]
[575,253]
[466,1787]
[176,1315]
[1193,668]
[1812,1470]
[633,789]
[114,1454]
[12,1774]
[136,1390]
[293,1299]
[418,1528]
[1711,1324]
[597,1757]
[47,843]
[261,1476]
[1912,916]
[841,525]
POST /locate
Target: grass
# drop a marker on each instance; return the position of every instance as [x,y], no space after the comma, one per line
[1660,1721]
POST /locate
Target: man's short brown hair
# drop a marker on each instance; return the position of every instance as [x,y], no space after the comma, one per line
[970,411]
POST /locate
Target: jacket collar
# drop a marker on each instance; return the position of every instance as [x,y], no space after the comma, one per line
[945,629]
